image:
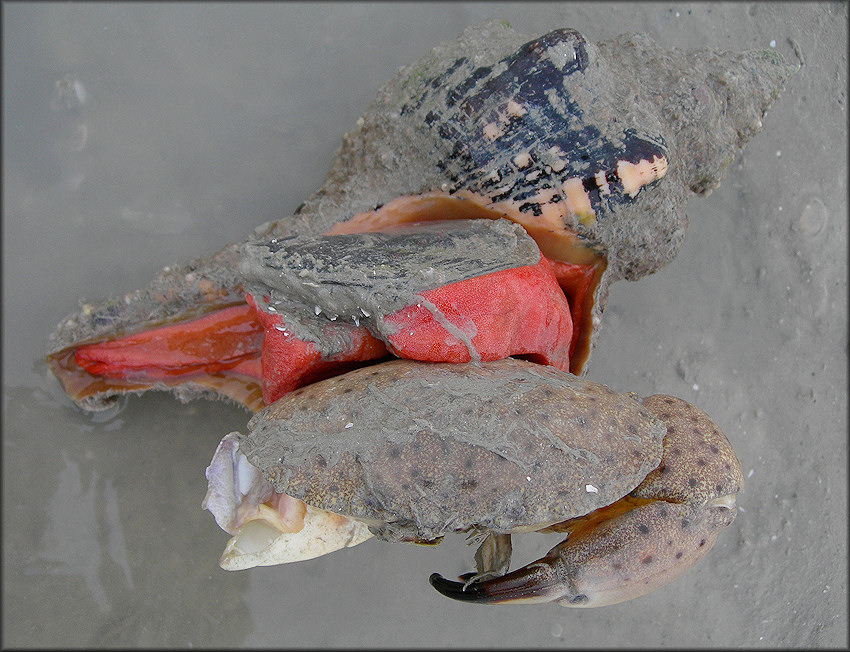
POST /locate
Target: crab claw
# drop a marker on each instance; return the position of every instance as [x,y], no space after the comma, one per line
[642,541]
[536,582]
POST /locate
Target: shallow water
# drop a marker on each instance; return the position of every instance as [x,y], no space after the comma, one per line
[139,135]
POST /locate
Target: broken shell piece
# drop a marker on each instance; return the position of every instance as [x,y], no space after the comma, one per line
[268,528]
[257,543]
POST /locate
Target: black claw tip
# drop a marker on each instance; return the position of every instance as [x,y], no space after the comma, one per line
[536,582]
[455,590]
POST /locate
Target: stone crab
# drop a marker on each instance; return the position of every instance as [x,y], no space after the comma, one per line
[572,160]
[413,451]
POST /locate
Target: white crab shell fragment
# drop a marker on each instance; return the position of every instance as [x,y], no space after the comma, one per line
[265,535]
[256,543]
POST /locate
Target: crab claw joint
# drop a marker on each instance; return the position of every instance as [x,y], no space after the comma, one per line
[610,561]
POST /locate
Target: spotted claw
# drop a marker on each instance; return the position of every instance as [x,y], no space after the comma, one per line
[641,542]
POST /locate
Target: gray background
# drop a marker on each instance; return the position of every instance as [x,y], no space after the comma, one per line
[202,121]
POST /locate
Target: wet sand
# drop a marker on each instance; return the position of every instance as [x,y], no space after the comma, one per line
[136,136]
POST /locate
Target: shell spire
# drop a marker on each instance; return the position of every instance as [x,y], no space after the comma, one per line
[714,100]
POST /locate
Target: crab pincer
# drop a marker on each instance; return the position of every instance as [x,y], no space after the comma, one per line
[641,542]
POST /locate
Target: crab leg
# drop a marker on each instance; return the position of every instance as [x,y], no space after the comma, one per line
[492,559]
[641,542]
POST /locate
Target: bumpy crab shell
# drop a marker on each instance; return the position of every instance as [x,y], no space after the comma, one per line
[594,149]
[503,445]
